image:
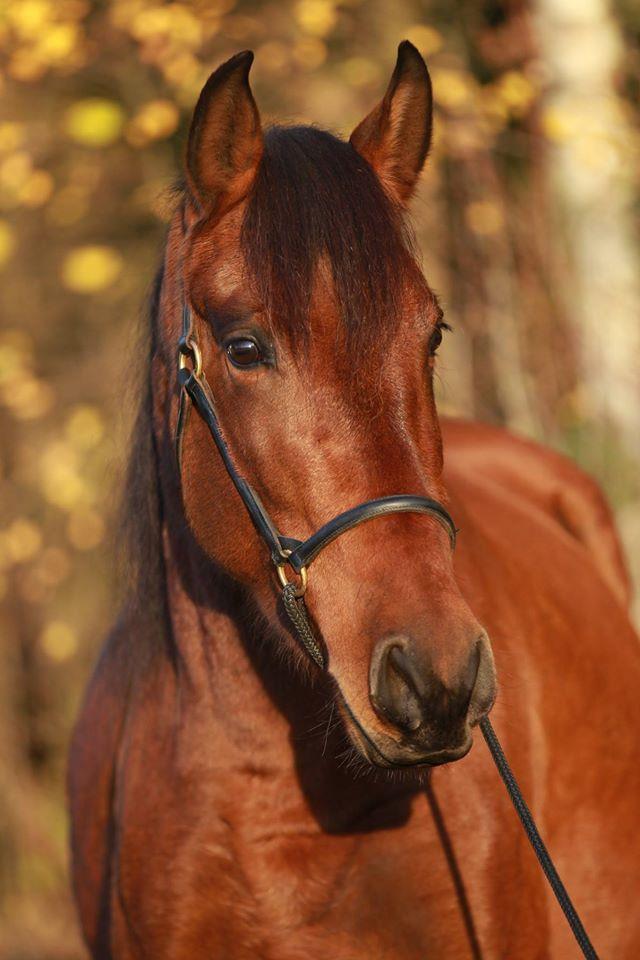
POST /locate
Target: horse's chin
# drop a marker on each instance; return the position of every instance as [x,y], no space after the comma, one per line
[381,750]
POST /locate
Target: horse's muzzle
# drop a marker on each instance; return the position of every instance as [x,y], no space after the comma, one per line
[425,720]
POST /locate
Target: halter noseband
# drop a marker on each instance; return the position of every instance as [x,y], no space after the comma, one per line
[285,551]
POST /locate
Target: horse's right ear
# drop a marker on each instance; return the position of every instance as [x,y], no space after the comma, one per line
[225,140]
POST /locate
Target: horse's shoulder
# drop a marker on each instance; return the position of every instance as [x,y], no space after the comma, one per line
[547,481]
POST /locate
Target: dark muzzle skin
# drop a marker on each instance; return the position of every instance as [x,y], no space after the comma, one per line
[428,721]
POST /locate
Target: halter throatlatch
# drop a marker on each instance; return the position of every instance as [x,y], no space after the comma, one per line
[286,552]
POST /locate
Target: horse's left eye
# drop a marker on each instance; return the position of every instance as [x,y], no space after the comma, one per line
[435,340]
[244,352]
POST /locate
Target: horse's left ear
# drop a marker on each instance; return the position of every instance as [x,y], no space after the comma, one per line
[225,140]
[395,137]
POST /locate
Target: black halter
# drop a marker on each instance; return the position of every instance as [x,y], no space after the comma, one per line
[285,551]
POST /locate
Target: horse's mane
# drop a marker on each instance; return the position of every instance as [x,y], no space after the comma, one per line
[139,530]
[314,196]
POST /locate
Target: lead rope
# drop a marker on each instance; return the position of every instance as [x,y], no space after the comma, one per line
[536,841]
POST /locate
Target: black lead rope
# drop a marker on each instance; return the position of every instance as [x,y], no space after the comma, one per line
[536,841]
[296,554]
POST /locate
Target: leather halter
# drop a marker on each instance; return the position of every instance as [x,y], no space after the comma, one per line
[285,551]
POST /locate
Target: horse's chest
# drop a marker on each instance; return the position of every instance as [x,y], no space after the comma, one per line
[282,895]
[349,897]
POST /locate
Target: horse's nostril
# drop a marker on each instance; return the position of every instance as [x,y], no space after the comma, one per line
[398,686]
[406,692]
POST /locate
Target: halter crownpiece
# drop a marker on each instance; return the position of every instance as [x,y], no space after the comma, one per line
[285,551]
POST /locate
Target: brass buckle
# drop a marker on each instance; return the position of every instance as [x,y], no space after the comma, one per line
[188,349]
[282,577]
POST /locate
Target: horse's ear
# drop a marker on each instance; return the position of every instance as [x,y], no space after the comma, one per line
[395,137]
[225,140]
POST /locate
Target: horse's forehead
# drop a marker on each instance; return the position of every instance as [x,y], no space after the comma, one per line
[220,274]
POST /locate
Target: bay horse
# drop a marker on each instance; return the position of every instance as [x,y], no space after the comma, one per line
[231,800]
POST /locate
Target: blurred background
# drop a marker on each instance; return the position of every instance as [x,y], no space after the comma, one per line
[526,214]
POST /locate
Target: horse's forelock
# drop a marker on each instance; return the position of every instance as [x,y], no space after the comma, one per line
[316,198]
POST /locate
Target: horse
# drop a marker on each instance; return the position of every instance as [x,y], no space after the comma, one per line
[229,797]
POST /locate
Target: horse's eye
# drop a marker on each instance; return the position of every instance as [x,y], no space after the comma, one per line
[244,352]
[435,340]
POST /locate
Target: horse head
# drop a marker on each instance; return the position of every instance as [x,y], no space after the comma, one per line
[318,334]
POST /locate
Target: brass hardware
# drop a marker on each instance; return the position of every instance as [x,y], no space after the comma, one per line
[189,350]
[282,577]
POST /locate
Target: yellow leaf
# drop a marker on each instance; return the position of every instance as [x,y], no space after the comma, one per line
[11,135]
[484,217]
[91,268]
[15,170]
[516,92]
[452,88]
[58,42]
[29,17]
[94,122]
[59,478]
[316,16]
[85,427]
[23,540]
[27,397]
[154,121]
[559,124]
[59,641]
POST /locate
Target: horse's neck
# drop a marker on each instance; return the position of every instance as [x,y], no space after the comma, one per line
[244,707]
[219,685]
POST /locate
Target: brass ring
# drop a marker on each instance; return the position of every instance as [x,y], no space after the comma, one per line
[190,350]
[282,577]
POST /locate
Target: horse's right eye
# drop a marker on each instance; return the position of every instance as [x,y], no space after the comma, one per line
[244,352]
